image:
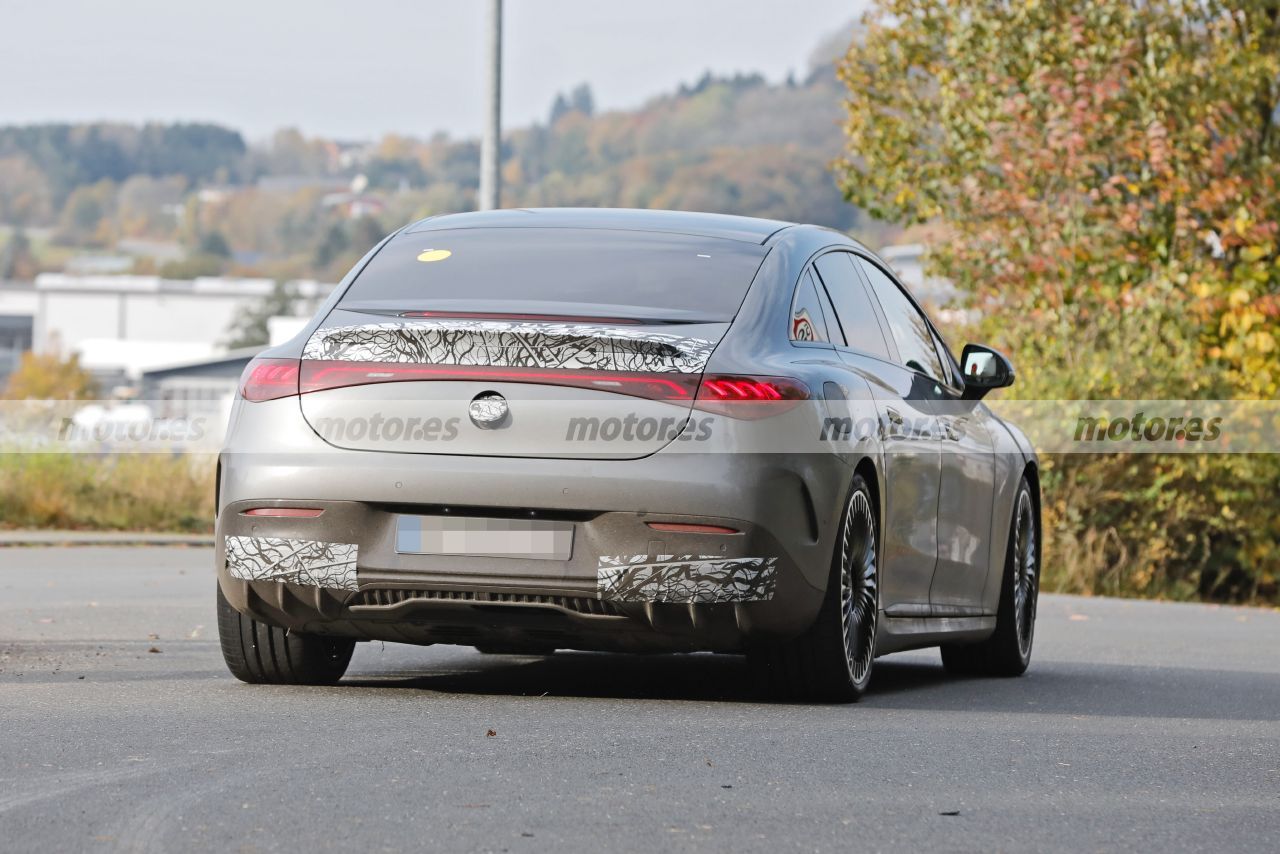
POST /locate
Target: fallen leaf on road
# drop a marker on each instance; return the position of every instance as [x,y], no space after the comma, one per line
[154,649]
[153,636]
[1078,618]
[491,733]
[949,812]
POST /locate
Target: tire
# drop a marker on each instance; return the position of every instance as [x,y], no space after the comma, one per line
[831,661]
[266,655]
[1008,651]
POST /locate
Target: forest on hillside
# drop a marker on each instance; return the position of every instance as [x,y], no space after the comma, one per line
[185,200]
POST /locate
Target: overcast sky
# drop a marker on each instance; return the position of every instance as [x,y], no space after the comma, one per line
[360,68]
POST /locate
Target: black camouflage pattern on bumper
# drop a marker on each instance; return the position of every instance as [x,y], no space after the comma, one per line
[331,565]
[692,579]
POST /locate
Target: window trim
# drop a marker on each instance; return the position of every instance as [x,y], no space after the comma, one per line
[945,358]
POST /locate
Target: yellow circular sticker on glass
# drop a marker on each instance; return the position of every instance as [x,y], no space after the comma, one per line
[429,255]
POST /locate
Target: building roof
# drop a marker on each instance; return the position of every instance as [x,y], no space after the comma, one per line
[741,228]
[229,359]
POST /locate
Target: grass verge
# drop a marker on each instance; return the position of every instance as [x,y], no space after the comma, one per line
[125,492]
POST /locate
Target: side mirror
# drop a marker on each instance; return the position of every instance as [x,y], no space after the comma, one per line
[984,369]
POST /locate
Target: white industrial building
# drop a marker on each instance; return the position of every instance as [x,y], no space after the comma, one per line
[123,327]
[17,322]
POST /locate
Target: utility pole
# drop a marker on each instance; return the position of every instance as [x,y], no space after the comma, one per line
[491,142]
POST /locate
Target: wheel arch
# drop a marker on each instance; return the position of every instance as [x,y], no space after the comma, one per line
[871,474]
[867,468]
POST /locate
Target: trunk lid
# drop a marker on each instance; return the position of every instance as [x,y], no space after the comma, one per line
[512,386]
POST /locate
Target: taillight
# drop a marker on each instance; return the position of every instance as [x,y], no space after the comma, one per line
[318,375]
[269,379]
[750,397]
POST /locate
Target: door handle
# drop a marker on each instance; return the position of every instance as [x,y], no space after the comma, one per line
[894,428]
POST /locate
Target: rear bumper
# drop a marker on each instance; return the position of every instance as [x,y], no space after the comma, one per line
[625,585]
[691,591]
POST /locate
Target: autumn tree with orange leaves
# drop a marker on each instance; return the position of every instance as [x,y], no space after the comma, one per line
[1104,177]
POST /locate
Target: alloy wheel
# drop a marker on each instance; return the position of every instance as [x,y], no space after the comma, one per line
[859,586]
[1025,580]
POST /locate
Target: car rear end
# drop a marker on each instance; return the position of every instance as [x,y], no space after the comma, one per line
[518,438]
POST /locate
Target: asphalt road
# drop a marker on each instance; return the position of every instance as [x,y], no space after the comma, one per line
[1140,726]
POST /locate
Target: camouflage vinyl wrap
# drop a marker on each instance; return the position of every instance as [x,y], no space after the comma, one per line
[697,579]
[511,345]
[317,564]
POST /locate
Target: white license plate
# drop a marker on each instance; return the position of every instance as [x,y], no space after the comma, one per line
[482,537]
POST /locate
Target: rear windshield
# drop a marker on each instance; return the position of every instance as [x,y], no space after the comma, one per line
[626,274]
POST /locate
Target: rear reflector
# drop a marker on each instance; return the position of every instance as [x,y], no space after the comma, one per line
[750,397]
[685,528]
[319,375]
[269,379]
[285,512]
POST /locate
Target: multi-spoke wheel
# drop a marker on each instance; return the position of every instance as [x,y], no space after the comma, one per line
[1025,573]
[859,584]
[1008,651]
[832,660]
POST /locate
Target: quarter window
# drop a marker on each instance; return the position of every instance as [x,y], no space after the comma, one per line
[807,321]
[908,326]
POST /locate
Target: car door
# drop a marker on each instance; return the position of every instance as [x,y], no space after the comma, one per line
[966,497]
[967,471]
[908,435]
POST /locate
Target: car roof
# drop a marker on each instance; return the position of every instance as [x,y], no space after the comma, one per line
[722,226]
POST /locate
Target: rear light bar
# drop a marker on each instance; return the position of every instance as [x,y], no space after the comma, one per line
[285,512]
[748,397]
[323,375]
[688,528]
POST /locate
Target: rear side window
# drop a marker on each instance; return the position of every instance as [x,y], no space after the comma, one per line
[808,322]
[853,307]
[910,330]
[556,271]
